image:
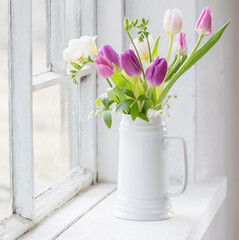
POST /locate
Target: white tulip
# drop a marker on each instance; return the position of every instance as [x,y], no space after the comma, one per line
[142,47]
[78,48]
[173,21]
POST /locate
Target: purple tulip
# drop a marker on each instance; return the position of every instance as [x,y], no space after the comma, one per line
[130,63]
[104,67]
[109,53]
[180,44]
[156,71]
[204,23]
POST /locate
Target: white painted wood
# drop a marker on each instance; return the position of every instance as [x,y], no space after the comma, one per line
[87,17]
[48,34]
[110,30]
[182,122]
[88,148]
[13,227]
[60,220]
[47,202]
[194,211]
[217,115]
[20,101]
[68,187]
[48,79]
[57,34]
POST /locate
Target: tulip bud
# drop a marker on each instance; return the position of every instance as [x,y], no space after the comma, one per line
[126,23]
[130,63]
[142,47]
[104,67]
[173,21]
[109,53]
[204,23]
[180,44]
[156,71]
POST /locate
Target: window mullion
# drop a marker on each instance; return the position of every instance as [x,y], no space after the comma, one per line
[88,89]
[56,34]
[20,107]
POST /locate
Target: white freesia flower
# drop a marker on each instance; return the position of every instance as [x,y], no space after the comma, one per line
[89,43]
[78,48]
[153,113]
[142,47]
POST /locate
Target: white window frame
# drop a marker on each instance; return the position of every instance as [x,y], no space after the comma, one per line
[28,210]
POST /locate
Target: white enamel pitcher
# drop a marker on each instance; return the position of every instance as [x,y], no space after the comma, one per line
[143,175]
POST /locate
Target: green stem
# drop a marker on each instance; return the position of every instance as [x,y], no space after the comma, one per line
[141,65]
[150,55]
[142,104]
[179,72]
[173,67]
[170,47]
[107,79]
[195,48]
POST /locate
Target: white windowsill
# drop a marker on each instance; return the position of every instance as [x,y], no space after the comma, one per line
[89,216]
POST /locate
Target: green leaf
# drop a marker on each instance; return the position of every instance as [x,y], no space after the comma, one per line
[112,95]
[143,116]
[75,65]
[143,98]
[118,92]
[193,59]
[124,104]
[182,60]
[155,48]
[204,49]
[175,58]
[98,101]
[116,69]
[107,119]
[147,105]
[73,71]
[106,101]
[128,92]
[121,82]
[134,111]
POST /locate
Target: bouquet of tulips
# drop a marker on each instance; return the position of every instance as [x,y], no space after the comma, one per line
[139,80]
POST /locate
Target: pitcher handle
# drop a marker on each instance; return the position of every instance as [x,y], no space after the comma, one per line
[185,179]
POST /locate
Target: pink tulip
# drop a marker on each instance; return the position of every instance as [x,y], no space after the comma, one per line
[173,21]
[104,67]
[180,44]
[204,23]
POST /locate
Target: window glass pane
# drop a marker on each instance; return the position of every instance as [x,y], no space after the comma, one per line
[38,36]
[55,133]
[4,142]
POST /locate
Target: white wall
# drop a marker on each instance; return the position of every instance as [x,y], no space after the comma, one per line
[206,112]
[217,117]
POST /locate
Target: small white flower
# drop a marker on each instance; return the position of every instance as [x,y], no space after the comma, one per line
[91,115]
[88,42]
[142,47]
[78,48]
[153,113]
[73,53]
